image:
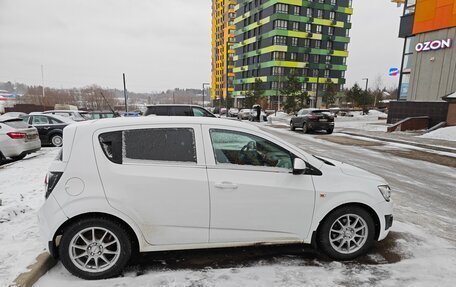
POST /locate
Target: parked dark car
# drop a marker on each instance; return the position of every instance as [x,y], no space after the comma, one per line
[178,110]
[313,119]
[50,127]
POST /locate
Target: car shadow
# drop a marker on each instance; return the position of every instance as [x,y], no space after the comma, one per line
[383,252]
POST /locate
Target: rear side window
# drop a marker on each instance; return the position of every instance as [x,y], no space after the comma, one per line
[159,111]
[17,124]
[181,111]
[168,145]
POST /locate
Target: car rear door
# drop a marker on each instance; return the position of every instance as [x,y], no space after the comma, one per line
[157,176]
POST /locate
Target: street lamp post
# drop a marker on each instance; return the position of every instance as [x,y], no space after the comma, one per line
[204,84]
[316,92]
[364,98]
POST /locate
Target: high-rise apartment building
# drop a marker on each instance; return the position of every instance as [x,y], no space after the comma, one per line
[223,29]
[277,37]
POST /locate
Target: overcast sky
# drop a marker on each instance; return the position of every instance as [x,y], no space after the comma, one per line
[158,44]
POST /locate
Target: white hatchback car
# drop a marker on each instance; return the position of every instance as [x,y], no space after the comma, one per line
[129,185]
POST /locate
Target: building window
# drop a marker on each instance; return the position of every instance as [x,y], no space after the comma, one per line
[330,31]
[277,71]
[278,56]
[328,60]
[329,45]
[317,44]
[280,40]
[309,12]
[333,2]
[293,56]
[332,15]
[320,14]
[306,43]
[326,73]
[318,29]
[306,58]
[297,10]
[281,24]
[308,27]
[295,26]
[317,59]
[294,42]
[281,8]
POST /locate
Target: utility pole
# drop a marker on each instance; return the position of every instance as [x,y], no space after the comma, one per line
[318,84]
[42,85]
[227,78]
[364,98]
[125,94]
[204,84]
[173,98]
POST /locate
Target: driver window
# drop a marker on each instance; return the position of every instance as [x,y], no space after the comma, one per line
[232,147]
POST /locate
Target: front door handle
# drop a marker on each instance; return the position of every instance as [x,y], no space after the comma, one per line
[226,185]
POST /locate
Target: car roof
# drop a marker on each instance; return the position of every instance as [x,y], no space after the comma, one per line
[172,120]
[61,118]
[64,111]
[174,105]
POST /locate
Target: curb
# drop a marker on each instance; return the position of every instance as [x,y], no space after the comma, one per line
[437,148]
[43,263]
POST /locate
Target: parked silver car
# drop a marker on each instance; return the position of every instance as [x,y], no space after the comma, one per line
[17,139]
[77,116]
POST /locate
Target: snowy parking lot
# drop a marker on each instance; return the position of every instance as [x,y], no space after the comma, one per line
[420,250]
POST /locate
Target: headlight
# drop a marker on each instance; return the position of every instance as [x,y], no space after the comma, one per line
[385,190]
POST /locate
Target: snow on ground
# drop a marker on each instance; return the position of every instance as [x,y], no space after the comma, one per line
[448,133]
[21,193]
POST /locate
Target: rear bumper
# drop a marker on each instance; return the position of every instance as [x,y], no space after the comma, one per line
[320,125]
[17,148]
[50,217]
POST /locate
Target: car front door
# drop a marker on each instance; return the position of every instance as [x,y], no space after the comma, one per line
[157,176]
[254,194]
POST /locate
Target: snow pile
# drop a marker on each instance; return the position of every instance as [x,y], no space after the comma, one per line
[22,193]
[448,133]
[279,118]
[377,113]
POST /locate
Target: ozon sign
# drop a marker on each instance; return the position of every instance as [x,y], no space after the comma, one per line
[433,45]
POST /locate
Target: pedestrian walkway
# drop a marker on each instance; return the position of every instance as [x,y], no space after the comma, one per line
[404,138]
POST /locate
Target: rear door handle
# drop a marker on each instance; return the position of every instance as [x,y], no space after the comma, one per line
[226,185]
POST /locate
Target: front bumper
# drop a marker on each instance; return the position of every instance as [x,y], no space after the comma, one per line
[385,214]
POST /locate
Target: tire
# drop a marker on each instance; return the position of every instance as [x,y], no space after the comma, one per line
[19,157]
[292,127]
[113,249]
[305,128]
[329,131]
[57,140]
[360,229]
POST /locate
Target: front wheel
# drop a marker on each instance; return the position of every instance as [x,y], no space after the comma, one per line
[347,233]
[292,127]
[95,249]
[329,131]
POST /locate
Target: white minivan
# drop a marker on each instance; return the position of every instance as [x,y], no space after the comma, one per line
[128,185]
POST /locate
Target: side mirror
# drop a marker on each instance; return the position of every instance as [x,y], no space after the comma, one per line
[299,166]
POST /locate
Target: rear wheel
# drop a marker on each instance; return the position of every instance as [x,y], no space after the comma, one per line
[305,128]
[347,233]
[57,140]
[95,249]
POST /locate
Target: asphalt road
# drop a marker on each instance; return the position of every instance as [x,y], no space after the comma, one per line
[424,193]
